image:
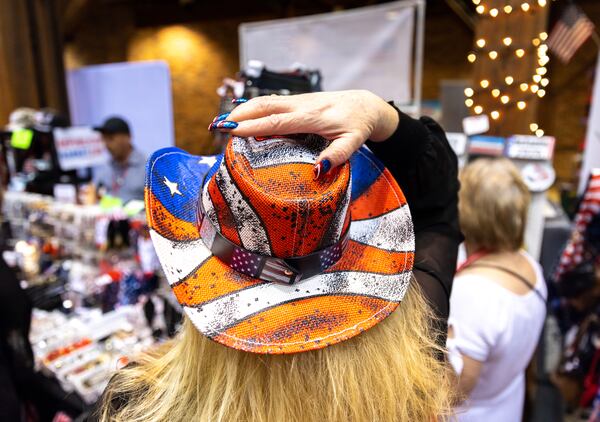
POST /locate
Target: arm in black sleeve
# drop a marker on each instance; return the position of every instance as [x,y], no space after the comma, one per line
[421,160]
[15,320]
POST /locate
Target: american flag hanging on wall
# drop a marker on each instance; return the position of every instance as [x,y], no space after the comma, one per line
[570,32]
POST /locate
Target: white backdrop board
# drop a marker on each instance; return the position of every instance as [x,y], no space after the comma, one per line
[368,48]
[591,156]
[138,91]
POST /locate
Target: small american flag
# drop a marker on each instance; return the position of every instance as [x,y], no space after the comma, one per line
[575,250]
[570,32]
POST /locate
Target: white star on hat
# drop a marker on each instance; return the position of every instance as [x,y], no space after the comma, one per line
[209,161]
[173,187]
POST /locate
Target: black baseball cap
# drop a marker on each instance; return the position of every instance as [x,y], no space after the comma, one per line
[114,125]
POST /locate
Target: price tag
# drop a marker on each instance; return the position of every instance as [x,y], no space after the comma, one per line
[148,258]
[525,147]
[475,125]
[110,203]
[458,142]
[101,231]
[65,193]
[21,138]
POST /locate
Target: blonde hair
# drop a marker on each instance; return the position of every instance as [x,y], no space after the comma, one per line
[493,204]
[388,373]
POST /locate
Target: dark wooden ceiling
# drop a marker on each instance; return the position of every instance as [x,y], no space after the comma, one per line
[165,12]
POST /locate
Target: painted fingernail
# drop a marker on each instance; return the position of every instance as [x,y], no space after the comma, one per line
[239,100]
[321,168]
[223,125]
[221,117]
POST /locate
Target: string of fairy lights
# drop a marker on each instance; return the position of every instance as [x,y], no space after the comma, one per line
[510,92]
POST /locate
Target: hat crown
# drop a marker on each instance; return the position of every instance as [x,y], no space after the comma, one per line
[264,198]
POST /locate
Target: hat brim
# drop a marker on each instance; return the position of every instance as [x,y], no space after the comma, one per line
[245,313]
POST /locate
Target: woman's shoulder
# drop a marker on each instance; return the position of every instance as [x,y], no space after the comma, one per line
[478,297]
[517,275]
[471,280]
[474,292]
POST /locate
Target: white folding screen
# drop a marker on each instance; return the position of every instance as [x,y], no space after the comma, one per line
[138,91]
[375,48]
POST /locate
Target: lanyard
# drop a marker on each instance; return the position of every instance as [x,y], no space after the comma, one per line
[118,180]
[471,259]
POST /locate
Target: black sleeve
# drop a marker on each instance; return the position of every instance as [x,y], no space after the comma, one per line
[15,319]
[421,160]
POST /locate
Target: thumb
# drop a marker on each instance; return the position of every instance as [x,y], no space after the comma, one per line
[337,153]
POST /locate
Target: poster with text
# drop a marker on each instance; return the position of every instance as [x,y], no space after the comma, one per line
[365,48]
[79,147]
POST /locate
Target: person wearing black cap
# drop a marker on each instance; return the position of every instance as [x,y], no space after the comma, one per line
[123,176]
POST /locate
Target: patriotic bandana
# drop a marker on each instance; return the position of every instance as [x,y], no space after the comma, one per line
[266,259]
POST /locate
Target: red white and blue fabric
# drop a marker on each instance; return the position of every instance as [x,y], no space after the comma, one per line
[575,251]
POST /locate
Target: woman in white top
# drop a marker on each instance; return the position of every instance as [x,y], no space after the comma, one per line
[497,306]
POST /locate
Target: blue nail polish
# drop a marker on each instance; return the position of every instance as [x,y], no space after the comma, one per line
[321,168]
[239,100]
[223,125]
[221,117]
[227,124]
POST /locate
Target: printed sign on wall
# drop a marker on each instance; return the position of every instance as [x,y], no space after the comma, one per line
[79,147]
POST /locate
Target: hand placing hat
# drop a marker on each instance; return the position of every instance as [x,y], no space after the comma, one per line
[345,118]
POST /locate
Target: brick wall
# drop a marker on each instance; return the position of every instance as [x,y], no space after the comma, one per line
[201,54]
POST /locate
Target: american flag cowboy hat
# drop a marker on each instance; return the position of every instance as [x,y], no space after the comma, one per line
[266,259]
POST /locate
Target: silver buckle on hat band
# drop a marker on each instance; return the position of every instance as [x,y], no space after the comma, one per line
[268,268]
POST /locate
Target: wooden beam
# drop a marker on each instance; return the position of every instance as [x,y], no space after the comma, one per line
[31,74]
[460,10]
[73,15]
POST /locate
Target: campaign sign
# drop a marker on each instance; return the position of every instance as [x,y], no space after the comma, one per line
[79,147]
[475,125]
[486,145]
[527,147]
[538,176]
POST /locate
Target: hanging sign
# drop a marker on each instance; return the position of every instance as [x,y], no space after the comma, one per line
[65,193]
[475,125]
[486,145]
[79,147]
[526,147]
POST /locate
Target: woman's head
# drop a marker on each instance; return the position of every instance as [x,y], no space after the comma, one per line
[389,372]
[493,205]
[267,258]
